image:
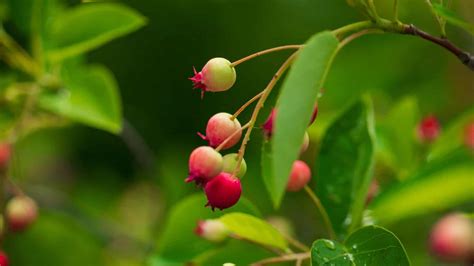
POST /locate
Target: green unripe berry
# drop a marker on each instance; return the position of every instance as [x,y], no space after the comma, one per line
[230,163]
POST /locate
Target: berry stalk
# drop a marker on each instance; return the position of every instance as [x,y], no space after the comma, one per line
[231,136]
[259,106]
[322,210]
[242,108]
[267,51]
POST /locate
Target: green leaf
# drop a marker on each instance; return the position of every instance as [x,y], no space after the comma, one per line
[440,185]
[345,166]
[453,18]
[398,128]
[370,246]
[296,104]
[91,97]
[178,243]
[254,229]
[89,26]
[452,137]
[266,161]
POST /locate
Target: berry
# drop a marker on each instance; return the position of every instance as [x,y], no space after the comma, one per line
[452,238]
[428,129]
[21,212]
[315,114]
[469,135]
[230,163]
[204,164]
[212,230]
[223,191]
[217,75]
[267,127]
[299,176]
[3,259]
[373,191]
[220,127]
[305,144]
[5,154]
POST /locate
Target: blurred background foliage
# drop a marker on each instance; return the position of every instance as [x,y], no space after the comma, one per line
[103,203]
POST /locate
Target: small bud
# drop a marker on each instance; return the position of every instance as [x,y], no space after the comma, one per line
[315,114]
[429,129]
[212,230]
[204,164]
[230,163]
[452,238]
[3,259]
[299,176]
[223,191]
[5,154]
[267,127]
[217,75]
[220,127]
[469,135]
[21,212]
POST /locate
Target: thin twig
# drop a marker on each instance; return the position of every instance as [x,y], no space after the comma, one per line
[231,136]
[297,244]
[267,51]
[322,210]
[242,108]
[283,258]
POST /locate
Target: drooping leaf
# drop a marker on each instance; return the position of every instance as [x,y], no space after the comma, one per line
[178,243]
[345,166]
[88,26]
[91,97]
[254,229]
[443,183]
[453,18]
[370,246]
[296,104]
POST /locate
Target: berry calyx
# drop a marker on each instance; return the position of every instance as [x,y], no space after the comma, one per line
[220,127]
[305,145]
[429,129]
[21,212]
[469,135]
[223,191]
[3,259]
[5,154]
[212,230]
[217,75]
[204,164]
[267,127]
[451,238]
[299,176]
[230,163]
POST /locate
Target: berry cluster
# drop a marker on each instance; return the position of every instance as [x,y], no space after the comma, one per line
[20,211]
[218,175]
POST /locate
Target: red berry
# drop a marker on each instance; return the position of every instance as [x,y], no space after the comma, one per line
[267,127]
[428,129]
[299,176]
[223,191]
[452,238]
[315,114]
[3,259]
[5,154]
[212,230]
[204,164]
[21,212]
[220,127]
[469,135]
[217,75]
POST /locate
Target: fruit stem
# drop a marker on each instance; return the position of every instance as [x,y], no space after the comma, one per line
[231,136]
[259,106]
[296,243]
[242,108]
[322,210]
[267,51]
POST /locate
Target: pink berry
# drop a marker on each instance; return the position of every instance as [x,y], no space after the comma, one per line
[223,191]
[220,127]
[299,176]
[21,212]
[217,75]
[469,135]
[452,238]
[428,129]
[212,230]
[3,259]
[267,127]
[5,154]
[204,164]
